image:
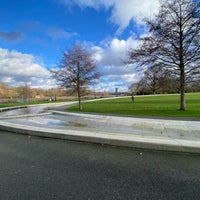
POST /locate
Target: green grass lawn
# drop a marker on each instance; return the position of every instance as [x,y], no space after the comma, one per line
[158,105]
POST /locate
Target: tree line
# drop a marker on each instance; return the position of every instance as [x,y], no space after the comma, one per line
[26,93]
[155,80]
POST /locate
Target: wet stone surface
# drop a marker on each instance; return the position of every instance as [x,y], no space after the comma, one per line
[22,111]
[72,122]
[57,121]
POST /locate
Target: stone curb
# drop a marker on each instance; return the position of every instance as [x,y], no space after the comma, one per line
[155,143]
[154,127]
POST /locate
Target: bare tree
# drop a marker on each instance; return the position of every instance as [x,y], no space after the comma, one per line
[139,88]
[153,77]
[159,80]
[173,42]
[134,88]
[76,71]
[24,92]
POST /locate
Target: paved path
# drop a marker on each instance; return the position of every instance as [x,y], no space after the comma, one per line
[35,168]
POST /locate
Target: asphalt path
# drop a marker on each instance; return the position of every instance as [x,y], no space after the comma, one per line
[42,168]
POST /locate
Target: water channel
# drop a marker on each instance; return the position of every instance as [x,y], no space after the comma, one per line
[50,117]
[41,116]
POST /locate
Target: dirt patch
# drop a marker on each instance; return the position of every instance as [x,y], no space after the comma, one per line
[76,124]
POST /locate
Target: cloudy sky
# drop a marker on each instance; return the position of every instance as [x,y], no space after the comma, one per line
[34,32]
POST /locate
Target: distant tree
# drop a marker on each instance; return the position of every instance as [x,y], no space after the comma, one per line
[24,92]
[134,88]
[173,42]
[159,80]
[193,87]
[139,88]
[169,84]
[4,88]
[153,76]
[7,91]
[77,69]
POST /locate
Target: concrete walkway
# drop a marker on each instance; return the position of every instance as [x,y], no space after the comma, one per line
[157,134]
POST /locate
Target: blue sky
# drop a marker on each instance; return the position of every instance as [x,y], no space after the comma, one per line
[34,32]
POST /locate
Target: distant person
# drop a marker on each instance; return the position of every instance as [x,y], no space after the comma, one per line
[132,98]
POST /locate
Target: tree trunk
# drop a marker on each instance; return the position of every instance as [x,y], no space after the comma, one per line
[182,67]
[79,99]
[79,88]
[182,89]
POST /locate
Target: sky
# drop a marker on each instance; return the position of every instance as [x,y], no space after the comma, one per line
[33,34]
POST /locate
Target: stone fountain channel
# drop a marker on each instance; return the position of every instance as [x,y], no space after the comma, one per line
[47,117]
[42,116]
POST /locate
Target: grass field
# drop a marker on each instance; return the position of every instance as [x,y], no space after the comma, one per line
[158,105]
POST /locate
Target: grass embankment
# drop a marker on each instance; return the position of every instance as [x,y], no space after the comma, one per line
[158,105]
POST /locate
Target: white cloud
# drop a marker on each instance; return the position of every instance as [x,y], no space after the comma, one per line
[115,50]
[110,56]
[123,11]
[17,68]
[111,52]
[126,10]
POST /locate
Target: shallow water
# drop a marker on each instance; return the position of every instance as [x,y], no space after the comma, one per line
[71,122]
[23,111]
